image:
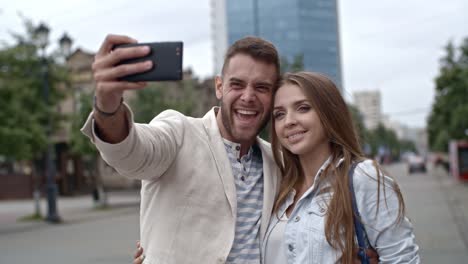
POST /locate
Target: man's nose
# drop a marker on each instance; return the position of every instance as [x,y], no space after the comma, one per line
[248,94]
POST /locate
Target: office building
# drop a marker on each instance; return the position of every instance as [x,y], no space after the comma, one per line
[307,28]
[369,104]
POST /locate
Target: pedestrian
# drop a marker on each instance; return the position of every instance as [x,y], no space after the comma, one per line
[315,144]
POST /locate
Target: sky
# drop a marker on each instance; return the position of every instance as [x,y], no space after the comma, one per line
[393,46]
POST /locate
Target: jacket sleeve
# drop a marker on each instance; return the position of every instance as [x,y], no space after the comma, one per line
[393,240]
[148,150]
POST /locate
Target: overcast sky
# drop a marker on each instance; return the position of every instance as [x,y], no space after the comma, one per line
[390,45]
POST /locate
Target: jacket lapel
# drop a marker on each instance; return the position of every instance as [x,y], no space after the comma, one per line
[270,185]
[220,156]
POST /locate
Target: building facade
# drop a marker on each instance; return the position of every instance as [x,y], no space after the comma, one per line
[298,28]
[370,106]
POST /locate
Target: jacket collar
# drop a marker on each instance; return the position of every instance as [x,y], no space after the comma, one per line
[270,170]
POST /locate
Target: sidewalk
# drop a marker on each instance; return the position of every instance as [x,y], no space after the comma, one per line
[71,210]
[438,207]
[456,195]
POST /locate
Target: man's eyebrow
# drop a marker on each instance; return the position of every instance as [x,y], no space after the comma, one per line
[234,79]
[264,83]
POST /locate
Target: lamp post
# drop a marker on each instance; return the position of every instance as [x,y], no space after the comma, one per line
[65,45]
[42,35]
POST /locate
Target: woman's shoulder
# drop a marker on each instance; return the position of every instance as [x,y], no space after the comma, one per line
[369,174]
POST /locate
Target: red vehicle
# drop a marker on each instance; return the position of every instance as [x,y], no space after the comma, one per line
[458,155]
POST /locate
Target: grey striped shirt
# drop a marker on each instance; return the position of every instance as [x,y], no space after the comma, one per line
[248,176]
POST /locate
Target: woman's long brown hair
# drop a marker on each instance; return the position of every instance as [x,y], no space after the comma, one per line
[336,120]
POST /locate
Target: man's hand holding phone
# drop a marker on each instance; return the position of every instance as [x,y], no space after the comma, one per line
[123,64]
[107,72]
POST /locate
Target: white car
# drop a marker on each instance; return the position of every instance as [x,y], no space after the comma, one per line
[416,163]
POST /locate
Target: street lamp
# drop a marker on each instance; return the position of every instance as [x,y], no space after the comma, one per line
[65,45]
[42,38]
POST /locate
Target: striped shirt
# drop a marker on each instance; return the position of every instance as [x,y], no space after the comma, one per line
[248,176]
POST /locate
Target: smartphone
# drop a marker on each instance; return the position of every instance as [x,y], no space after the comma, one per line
[166,58]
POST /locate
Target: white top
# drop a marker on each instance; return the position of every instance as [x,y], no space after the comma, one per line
[275,246]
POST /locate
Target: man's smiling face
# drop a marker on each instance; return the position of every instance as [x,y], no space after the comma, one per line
[245,91]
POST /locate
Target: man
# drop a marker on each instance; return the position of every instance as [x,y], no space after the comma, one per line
[208,184]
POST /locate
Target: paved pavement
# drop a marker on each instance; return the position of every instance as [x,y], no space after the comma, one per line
[437,205]
[86,235]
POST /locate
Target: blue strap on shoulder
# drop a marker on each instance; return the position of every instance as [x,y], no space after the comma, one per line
[358,226]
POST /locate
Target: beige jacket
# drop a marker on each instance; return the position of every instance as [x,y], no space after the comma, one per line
[188,195]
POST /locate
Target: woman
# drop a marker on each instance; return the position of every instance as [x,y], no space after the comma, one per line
[315,144]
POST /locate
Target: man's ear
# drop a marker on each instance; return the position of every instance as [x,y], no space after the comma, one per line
[219,87]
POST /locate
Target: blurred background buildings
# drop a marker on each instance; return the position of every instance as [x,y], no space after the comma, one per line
[306,30]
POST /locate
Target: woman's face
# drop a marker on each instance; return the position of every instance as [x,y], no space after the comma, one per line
[297,124]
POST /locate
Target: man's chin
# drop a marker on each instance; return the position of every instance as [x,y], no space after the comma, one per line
[245,135]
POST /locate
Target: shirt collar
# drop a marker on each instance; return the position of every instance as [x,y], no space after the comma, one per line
[235,148]
[326,163]
[319,173]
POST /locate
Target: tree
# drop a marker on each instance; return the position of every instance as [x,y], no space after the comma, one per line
[448,119]
[83,149]
[358,121]
[296,65]
[159,96]
[24,112]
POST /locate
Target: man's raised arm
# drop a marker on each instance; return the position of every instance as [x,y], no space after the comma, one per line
[110,118]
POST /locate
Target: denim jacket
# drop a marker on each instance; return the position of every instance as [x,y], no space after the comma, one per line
[304,236]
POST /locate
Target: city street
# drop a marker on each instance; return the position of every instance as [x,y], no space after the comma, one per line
[436,204]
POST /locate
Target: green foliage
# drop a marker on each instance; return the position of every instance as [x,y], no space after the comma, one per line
[296,65]
[358,121]
[448,119]
[79,143]
[24,112]
[407,145]
[160,96]
[383,137]
[372,140]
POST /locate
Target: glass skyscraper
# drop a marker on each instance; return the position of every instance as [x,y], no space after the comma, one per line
[307,28]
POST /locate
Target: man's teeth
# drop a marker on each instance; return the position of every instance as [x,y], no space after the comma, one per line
[246,112]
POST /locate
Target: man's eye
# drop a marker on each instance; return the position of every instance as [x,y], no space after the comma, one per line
[236,85]
[263,88]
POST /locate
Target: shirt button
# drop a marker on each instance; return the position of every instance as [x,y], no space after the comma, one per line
[297,219]
[242,178]
[291,247]
[237,148]
[322,210]
[220,260]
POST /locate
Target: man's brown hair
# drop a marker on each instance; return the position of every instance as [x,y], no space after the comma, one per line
[257,48]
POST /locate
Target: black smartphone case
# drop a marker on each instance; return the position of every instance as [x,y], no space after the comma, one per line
[166,58]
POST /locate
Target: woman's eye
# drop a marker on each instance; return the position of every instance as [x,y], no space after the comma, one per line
[278,115]
[304,108]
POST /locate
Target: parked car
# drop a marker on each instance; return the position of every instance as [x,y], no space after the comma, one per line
[416,163]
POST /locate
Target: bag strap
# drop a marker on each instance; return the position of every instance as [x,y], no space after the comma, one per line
[358,226]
